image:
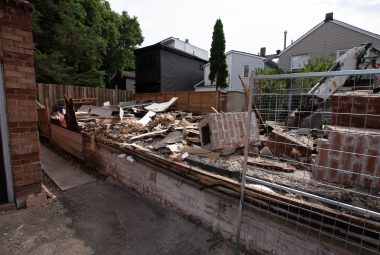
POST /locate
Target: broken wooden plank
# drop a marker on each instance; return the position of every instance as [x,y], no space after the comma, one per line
[202,152]
[150,134]
[271,164]
[68,140]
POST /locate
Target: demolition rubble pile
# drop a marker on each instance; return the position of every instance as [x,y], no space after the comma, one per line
[213,142]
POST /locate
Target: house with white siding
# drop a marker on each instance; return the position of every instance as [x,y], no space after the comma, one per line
[329,38]
[238,63]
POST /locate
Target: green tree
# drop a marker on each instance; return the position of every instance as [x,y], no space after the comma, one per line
[320,64]
[218,65]
[82,42]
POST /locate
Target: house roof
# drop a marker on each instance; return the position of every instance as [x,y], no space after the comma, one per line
[171,38]
[167,48]
[337,22]
[271,63]
[266,60]
[244,53]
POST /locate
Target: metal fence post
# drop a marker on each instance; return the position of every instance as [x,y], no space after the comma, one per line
[244,169]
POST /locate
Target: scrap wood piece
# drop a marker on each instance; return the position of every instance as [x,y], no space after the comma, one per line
[150,134]
[271,164]
[39,105]
[70,118]
[202,152]
[161,107]
[156,133]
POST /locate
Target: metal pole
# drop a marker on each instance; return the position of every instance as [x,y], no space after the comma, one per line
[244,171]
[366,212]
[5,139]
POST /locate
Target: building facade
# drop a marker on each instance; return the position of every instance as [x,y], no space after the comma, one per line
[162,68]
[330,38]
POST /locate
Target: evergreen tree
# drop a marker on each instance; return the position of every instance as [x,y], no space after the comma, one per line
[218,65]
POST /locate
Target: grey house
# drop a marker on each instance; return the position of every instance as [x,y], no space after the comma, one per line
[171,65]
[330,38]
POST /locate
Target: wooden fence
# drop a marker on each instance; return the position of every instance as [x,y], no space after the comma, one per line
[52,93]
[194,101]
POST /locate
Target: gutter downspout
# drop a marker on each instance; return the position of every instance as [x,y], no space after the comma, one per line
[5,139]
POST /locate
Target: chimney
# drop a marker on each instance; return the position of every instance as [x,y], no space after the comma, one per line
[329,16]
[262,52]
[186,40]
[285,33]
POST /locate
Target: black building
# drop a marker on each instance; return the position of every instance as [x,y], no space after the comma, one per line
[160,68]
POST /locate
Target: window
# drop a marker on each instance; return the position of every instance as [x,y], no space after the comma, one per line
[299,61]
[246,71]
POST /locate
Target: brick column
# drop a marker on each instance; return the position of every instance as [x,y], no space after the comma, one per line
[17,55]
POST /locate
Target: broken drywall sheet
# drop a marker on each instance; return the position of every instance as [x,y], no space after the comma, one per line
[147,118]
[161,107]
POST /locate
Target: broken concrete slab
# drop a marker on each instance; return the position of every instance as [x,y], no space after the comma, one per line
[266,152]
[63,173]
[226,130]
[177,148]
[173,137]
[161,107]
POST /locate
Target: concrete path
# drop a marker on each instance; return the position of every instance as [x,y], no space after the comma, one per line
[104,218]
[62,172]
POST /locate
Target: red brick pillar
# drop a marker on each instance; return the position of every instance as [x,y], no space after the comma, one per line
[17,56]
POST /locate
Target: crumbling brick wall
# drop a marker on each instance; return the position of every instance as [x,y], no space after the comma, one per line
[359,109]
[349,157]
[16,44]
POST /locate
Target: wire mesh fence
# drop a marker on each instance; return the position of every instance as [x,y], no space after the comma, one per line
[321,148]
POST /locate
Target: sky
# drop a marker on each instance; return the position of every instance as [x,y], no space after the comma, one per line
[248,24]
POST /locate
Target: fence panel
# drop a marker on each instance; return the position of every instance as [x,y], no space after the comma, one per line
[328,185]
[55,92]
[193,101]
